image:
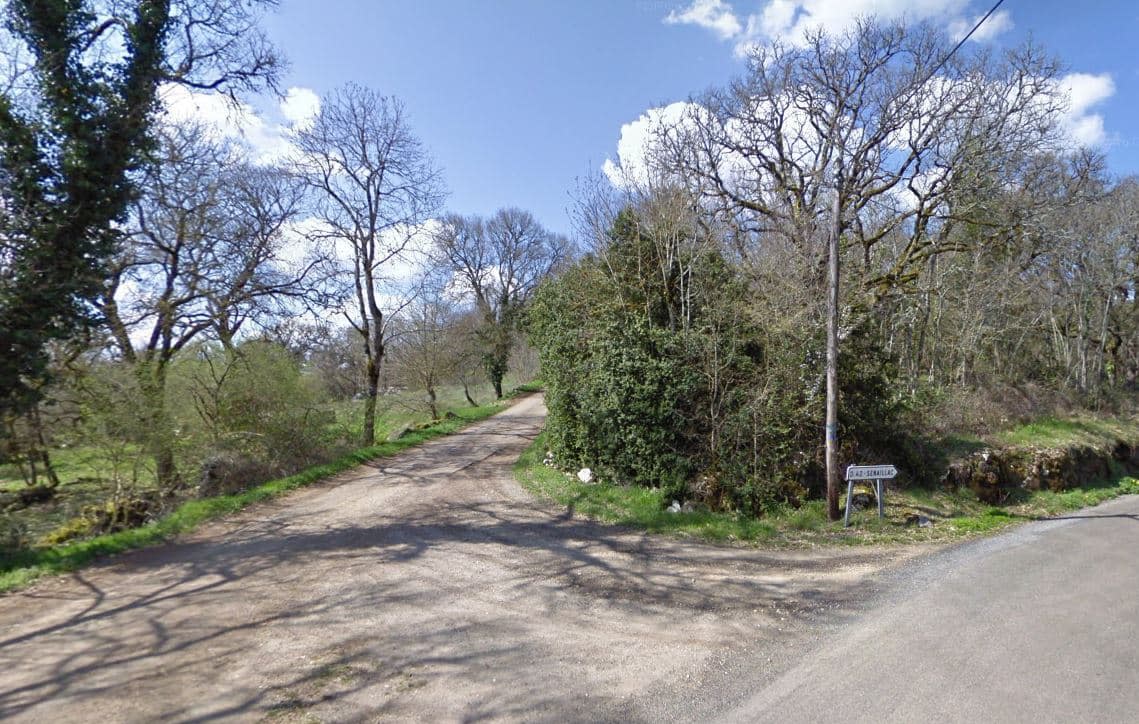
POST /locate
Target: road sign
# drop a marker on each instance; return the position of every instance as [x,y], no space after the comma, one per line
[871,472]
[879,474]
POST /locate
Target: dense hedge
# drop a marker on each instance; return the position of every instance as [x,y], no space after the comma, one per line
[724,407]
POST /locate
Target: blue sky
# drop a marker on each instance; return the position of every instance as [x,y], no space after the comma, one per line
[517,99]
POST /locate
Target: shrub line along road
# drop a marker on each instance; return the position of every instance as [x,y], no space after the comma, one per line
[429,586]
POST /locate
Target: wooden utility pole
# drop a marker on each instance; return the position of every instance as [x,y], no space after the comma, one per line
[833,482]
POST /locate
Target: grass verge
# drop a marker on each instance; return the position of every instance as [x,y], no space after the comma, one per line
[21,567]
[951,515]
[527,388]
[1062,433]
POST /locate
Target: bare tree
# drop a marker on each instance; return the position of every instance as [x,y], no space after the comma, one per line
[666,218]
[859,138]
[499,262]
[373,187]
[1088,278]
[272,275]
[79,95]
[203,254]
[425,353]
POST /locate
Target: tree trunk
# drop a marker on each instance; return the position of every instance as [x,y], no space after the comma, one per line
[431,403]
[165,470]
[496,367]
[152,381]
[374,342]
[368,436]
[467,394]
[44,455]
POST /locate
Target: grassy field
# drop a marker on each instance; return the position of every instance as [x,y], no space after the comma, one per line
[90,475]
[952,515]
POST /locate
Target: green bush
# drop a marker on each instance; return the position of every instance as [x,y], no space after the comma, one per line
[724,406]
[254,403]
[636,387]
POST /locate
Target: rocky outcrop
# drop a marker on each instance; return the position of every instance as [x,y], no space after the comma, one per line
[996,474]
[229,473]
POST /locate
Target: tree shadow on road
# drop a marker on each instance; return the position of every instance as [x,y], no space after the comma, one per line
[352,621]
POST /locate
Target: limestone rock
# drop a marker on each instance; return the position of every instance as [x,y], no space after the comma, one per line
[862,497]
[994,475]
[398,433]
[229,473]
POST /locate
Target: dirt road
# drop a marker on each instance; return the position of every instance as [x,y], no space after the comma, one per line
[426,587]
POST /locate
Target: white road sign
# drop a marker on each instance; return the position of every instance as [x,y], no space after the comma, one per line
[871,472]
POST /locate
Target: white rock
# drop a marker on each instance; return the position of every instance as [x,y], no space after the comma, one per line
[585,475]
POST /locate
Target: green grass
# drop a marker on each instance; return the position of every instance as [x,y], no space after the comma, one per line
[1062,433]
[636,507]
[90,474]
[955,515]
[407,409]
[71,464]
[532,386]
[20,567]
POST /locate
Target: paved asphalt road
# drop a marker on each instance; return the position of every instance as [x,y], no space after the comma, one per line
[430,587]
[1037,625]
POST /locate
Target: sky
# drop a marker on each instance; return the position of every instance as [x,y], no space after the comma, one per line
[517,100]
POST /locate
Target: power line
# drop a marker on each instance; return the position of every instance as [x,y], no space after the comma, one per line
[962,41]
[833,311]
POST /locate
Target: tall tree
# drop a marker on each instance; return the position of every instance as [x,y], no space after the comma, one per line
[373,186]
[73,130]
[862,138]
[500,262]
[203,253]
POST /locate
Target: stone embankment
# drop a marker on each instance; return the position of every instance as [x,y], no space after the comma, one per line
[995,475]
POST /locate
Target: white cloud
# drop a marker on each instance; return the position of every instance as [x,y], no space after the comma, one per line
[300,107]
[998,23]
[298,247]
[403,248]
[635,145]
[777,16]
[1085,91]
[266,140]
[213,110]
[310,238]
[715,15]
[791,20]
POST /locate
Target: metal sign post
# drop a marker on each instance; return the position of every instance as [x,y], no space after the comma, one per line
[879,474]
